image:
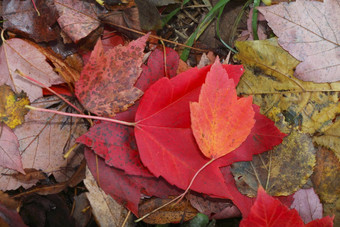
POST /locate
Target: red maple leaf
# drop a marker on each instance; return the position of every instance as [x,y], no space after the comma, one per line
[106,84]
[126,189]
[220,121]
[166,143]
[268,211]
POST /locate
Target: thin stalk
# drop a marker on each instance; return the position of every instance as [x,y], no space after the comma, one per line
[218,30]
[82,116]
[202,26]
[181,196]
[44,86]
[254,19]
[36,9]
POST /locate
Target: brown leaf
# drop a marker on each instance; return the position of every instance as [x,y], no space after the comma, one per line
[326,176]
[281,171]
[77,18]
[8,202]
[19,54]
[21,18]
[106,85]
[106,210]
[214,208]
[43,138]
[173,213]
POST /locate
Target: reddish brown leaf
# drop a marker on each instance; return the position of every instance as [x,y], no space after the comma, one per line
[220,121]
[126,189]
[106,83]
[9,149]
[21,17]
[76,18]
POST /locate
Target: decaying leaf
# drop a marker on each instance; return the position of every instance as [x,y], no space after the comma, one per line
[309,30]
[325,178]
[21,18]
[330,138]
[105,209]
[283,98]
[12,107]
[307,203]
[214,208]
[9,149]
[281,171]
[220,121]
[9,217]
[76,18]
[182,211]
[8,202]
[332,209]
[19,54]
[43,139]
[106,84]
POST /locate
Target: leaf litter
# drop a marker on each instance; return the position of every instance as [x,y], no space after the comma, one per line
[296,107]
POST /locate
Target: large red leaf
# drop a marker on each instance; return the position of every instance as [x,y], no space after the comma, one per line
[268,211]
[126,189]
[106,84]
[219,120]
[166,143]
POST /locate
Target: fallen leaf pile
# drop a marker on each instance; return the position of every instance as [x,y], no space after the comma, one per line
[258,138]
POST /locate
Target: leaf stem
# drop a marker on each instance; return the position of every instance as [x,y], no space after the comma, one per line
[82,116]
[254,19]
[181,196]
[49,89]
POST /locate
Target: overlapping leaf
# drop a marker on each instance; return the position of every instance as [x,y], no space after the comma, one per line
[309,30]
[308,204]
[268,211]
[19,54]
[106,84]
[116,143]
[43,139]
[219,120]
[283,98]
[20,17]
[12,111]
[77,18]
[9,149]
[165,141]
[126,189]
[281,171]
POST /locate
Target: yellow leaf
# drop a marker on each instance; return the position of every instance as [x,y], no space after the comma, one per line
[281,171]
[285,99]
[12,106]
[330,138]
